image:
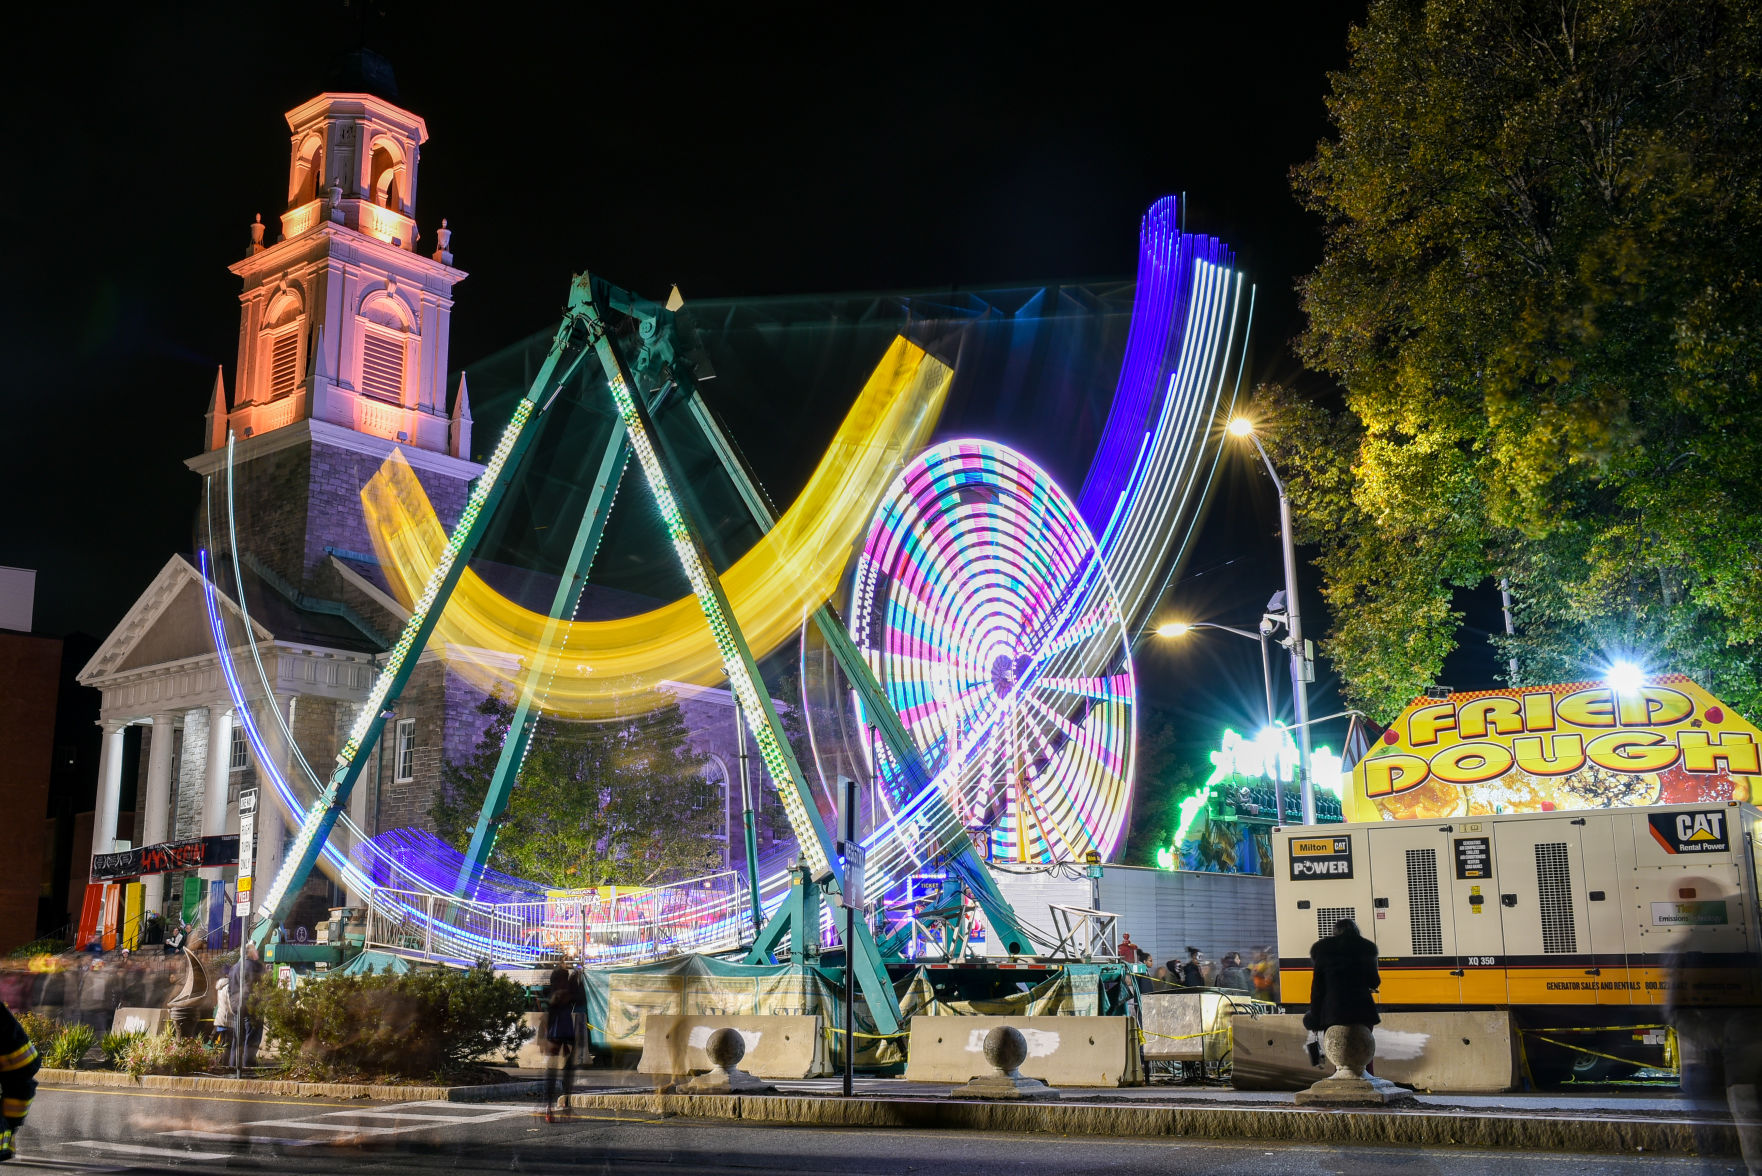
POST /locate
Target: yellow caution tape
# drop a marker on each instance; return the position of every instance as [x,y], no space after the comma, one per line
[1594,1053]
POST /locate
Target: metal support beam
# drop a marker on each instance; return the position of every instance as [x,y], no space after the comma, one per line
[527,710]
[963,858]
[738,661]
[486,494]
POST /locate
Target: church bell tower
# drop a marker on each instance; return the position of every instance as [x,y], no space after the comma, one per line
[343,331]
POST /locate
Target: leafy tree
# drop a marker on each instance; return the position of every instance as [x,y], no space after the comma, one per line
[623,801]
[1542,296]
[1164,780]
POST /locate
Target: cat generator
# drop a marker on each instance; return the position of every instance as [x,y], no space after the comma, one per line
[1591,927]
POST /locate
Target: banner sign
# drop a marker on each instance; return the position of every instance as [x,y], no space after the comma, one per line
[1579,745]
[195,854]
[247,849]
[1708,832]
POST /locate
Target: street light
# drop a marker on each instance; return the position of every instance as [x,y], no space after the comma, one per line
[1182,628]
[1300,666]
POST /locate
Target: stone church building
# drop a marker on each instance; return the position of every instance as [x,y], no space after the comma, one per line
[342,359]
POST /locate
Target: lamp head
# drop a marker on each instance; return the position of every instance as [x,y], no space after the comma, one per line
[1174,629]
[1240,426]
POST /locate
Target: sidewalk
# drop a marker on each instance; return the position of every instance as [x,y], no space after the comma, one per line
[1611,1121]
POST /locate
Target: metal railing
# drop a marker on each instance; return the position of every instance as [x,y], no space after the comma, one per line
[605,925]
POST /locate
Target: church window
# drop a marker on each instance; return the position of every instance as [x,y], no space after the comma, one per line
[308,172]
[382,365]
[237,757]
[284,363]
[406,765]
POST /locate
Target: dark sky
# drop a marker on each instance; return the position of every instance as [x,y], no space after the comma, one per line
[732,151]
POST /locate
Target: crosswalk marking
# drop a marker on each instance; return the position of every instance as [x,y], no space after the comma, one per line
[238,1137]
[141,1149]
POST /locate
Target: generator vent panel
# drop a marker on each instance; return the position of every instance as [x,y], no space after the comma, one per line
[1554,895]
[1326,917]
[1422,902]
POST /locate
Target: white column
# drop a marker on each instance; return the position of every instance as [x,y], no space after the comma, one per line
[109,786]
[219,769]
[158,815]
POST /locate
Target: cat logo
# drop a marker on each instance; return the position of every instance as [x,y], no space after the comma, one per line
[1321,857]
[1702,832]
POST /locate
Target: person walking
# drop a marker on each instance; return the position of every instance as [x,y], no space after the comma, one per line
[560,1040]
[1232,976]
[1193,972]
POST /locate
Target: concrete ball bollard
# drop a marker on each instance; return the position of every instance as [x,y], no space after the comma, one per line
[725,1048]
[1351,1048]
[1005,1049]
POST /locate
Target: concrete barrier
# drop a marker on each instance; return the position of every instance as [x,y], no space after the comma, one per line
[148,1021]
[1062,1051]
[1460,1052]
[1186,1026]
[777,1045]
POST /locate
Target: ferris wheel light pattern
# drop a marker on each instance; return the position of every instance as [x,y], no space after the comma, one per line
[984,607]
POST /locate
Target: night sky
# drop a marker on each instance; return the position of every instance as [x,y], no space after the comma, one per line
[734,153]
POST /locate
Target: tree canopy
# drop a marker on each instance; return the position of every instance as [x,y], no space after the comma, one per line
[1541,295]
[596,803]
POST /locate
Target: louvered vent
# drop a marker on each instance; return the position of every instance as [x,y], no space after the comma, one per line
[1422,902]
[382,366]
[1554,894]
[1326,917]
[284,363]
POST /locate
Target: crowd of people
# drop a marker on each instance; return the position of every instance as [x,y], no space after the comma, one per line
[1259,979]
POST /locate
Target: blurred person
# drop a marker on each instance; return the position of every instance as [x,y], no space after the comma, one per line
[1266,975]
[18,1083]
[1232,976]
[559,1040]
[223,1015]
[1712,1001]
[247,975]
[1192,972]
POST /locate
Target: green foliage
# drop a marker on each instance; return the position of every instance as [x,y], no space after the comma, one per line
[1163,781]
[48,945]
[115,1045]
[424,1024]
[69,1047]
[622,801]
[1541,293]
[167,1053]
[41,1028]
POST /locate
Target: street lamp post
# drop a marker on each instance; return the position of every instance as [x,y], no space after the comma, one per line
[1182,628]
[1242,427]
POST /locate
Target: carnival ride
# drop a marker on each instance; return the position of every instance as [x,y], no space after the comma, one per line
[989,655]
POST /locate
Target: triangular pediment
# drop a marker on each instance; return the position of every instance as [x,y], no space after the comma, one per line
[168,623]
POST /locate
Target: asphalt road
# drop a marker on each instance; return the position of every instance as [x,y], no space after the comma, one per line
[87,1129]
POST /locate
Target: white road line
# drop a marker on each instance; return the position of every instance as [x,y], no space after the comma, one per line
[315,1125]
[240,1137]
[410,1115]
[141,1149]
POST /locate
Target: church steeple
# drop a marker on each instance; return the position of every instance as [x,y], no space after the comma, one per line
[345,278]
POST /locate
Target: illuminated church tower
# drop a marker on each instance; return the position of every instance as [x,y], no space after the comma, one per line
[342,333]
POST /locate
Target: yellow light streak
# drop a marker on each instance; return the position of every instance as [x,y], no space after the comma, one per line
[604,669]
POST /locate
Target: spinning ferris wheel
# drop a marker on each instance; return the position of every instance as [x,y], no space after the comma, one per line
[985,610]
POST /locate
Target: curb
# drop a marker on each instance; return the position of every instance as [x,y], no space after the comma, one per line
[205,1084]
[1442,1127]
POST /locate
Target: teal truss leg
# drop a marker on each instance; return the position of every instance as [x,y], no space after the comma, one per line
[532,691]
[486,494]
[964,859]
[742,670]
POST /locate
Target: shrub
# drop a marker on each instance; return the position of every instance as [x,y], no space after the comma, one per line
[115,1045]
[42,1029]
[70,1046]
[167,1053]
[431,1023]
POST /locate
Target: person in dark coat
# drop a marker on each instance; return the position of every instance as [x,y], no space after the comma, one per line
[1345,977]
[18,1080]
[563,999]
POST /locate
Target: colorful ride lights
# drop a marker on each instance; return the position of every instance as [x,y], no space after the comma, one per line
[984,607]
